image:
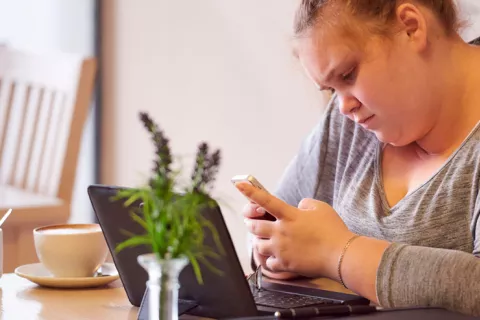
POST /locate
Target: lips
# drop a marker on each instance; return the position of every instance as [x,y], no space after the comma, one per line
[364,120]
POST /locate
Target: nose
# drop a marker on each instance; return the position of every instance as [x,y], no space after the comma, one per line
[348,104]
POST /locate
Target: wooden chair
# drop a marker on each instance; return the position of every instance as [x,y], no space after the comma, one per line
[44,102]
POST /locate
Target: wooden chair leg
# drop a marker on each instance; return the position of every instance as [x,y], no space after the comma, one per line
[18,247]
[26,246]
[9,249]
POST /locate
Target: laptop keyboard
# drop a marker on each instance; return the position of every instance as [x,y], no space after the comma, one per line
[277,299]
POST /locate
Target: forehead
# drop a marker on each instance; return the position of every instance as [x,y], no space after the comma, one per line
[322,52]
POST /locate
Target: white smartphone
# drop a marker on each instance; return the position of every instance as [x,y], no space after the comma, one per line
[248,178]
[254,182]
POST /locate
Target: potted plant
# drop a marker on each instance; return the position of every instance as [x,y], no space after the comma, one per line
[171,215]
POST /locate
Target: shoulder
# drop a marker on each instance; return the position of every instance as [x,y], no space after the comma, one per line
[468,154]
[334,147]
[462,171]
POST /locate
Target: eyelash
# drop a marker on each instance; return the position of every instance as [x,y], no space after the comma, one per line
[349,76]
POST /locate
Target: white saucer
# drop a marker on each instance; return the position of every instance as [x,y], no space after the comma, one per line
[37,273]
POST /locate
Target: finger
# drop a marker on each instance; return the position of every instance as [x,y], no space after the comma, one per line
[274,264]
[261,210]
[262,261]
[263,246]
[270,203]
[260,228]
[252,210]
[259,259]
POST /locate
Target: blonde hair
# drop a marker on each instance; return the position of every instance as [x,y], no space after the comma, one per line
[381,12]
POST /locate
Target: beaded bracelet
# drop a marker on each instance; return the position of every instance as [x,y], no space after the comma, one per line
[340,260]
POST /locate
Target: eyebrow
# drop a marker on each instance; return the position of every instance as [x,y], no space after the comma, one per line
[333,72]
[329,76]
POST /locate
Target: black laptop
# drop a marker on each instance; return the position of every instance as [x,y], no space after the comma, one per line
[220,296]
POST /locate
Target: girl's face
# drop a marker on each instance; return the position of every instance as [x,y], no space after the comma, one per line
[385,85]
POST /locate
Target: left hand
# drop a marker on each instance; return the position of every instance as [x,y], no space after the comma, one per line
[307,240]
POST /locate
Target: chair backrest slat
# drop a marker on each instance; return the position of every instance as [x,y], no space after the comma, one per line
[44,101]
[38,154]
[22,109]
[32,127]
[6,101]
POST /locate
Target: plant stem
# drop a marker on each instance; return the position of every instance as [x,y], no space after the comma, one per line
[165,294]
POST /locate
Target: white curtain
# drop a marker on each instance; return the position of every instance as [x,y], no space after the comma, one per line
[470,12]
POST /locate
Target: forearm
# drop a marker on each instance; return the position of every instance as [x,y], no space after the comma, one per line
[394,275]
[360,265]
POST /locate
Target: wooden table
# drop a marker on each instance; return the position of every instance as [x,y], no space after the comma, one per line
[22,299]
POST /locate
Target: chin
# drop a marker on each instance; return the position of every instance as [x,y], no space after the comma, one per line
[390,139]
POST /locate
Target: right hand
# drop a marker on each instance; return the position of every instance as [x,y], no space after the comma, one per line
[254,211]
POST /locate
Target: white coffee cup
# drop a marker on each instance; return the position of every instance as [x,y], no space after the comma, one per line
[71,250]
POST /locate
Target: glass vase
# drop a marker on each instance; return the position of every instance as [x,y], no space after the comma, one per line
[163,285]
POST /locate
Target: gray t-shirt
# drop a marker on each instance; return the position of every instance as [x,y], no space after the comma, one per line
[339,163]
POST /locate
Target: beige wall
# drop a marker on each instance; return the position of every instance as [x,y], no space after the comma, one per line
[470,14]
[215,70]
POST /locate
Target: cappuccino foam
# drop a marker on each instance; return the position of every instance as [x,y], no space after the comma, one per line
[67,230]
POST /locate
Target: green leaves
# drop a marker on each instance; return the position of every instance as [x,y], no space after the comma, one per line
[133,242]
[173,223]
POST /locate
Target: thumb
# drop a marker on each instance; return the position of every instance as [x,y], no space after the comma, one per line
[308,204]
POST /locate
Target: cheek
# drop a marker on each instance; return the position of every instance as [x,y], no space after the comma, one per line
[376,92]
[386,91]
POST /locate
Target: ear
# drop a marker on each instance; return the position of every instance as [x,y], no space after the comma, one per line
[413,25]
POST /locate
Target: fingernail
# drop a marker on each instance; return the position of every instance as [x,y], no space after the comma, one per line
[261,210]
[240,186]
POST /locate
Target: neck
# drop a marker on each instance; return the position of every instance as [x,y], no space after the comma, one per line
[457,100]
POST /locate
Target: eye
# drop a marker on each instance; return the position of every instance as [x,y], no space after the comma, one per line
[350,75]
